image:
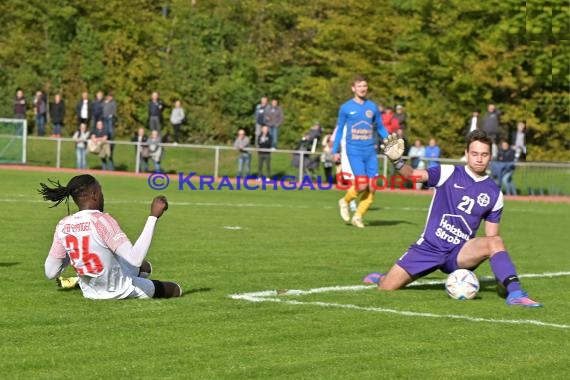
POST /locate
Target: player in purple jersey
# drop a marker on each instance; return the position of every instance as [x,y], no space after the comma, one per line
[354,146]
[464,196]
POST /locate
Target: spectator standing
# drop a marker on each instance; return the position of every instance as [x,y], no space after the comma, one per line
[155,107]
[492,123]
[417,153]
[390,121]
[274,119]
[519,141]
[264,142]
[81,137]
[57,115]
[84,109]
[259,116]
[506,160]
[474,122]
[155,149]
[142,149]
[433,153]
[177,117]
[109,114]
[98,107]
[20,105]
[40,112]
[401,117]
[241,143]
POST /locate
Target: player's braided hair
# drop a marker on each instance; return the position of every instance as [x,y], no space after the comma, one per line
[76,188]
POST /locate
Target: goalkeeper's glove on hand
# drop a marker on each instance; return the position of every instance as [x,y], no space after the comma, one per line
[393,147]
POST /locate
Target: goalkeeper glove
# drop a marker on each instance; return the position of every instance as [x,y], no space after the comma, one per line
[393,147]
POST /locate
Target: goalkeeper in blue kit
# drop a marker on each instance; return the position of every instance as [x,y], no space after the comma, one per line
[356,141]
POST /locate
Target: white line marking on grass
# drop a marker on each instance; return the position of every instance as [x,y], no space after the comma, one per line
[273,296]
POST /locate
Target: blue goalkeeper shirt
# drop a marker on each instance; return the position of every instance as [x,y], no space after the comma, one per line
[356,126]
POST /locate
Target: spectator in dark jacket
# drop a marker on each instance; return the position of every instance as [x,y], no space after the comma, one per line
[40,111]
[492,123]
[20,105]
[57,115]
[98,107]
[506,167]
[155,107]
[401,116]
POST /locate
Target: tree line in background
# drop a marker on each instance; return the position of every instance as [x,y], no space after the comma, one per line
[439,58]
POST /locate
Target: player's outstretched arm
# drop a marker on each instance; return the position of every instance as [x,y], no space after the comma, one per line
[393,147]
[135,254]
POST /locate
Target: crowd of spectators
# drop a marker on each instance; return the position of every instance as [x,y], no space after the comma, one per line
[94,132]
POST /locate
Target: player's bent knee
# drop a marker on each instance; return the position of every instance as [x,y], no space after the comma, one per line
[495,244]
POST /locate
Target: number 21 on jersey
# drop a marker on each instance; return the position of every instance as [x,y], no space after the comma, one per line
[84,262]
[466,204]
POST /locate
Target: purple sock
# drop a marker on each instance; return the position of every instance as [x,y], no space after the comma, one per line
[505,271]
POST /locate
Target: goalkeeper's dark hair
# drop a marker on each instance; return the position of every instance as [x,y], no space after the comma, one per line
[478,135]
[77,187]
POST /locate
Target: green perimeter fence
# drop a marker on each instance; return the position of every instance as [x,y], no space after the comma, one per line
[530,178]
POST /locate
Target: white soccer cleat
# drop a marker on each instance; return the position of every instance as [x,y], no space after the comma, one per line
[357,221]
[344,212]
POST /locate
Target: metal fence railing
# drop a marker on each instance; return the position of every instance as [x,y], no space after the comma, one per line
[530,178]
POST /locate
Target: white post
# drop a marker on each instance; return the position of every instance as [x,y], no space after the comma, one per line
[24,141]
[385,163]
[138,158]
[216,161]
[58,158]
[301,165]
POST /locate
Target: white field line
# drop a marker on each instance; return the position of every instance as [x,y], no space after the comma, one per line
[21,198]
[275,296]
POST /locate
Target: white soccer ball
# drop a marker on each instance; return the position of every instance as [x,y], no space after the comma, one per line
[462,285]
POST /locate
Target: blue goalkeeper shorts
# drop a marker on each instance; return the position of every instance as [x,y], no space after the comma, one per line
[362,163]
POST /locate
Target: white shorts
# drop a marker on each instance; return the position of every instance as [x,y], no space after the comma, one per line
[143,288]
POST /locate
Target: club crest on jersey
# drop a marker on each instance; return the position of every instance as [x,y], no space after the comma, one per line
[369,114]
[483,200]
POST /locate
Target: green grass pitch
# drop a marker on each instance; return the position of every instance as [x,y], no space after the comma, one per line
[285,240]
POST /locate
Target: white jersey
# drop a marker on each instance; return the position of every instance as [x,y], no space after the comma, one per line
[90,238]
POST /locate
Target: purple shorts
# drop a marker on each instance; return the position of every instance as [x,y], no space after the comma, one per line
[419,261]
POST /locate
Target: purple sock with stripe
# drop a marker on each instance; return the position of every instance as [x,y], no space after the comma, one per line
[504,270]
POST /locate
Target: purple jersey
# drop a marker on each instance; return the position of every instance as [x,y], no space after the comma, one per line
[461,200]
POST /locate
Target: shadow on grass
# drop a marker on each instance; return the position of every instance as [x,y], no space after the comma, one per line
[381,223]
[8,264]
[194,291]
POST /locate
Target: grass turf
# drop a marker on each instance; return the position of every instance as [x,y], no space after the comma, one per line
[286,240]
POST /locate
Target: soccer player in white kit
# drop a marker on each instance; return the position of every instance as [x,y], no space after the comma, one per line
[91,241]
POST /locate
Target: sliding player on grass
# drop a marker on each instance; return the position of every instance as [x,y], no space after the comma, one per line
[107,264]
[355,134]
[464,196]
